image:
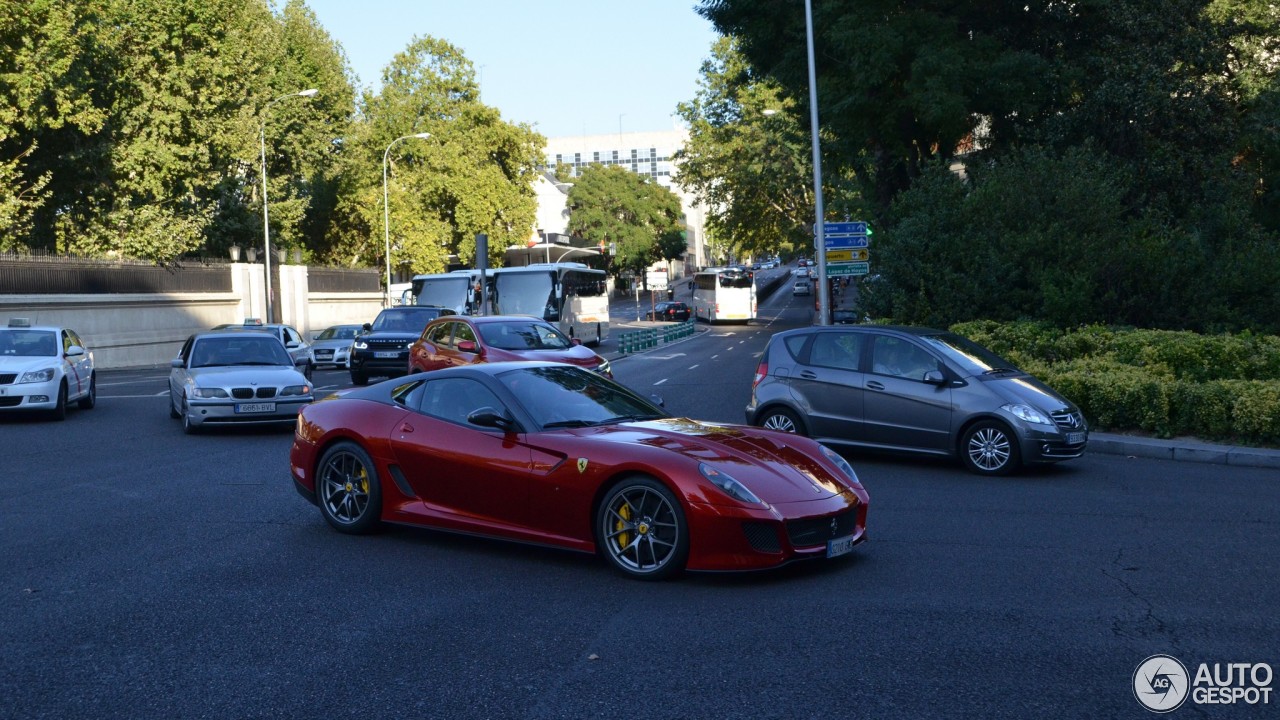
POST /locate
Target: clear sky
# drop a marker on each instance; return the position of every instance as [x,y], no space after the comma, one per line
[567,67]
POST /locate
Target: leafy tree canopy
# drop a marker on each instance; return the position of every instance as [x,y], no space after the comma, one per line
[614,205]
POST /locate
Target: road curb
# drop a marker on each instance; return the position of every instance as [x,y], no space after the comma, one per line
[1183,451]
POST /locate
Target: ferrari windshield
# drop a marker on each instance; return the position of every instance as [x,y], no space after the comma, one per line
[568,396]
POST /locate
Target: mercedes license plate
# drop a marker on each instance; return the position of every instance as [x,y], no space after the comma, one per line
[1074,438]
[839,546]
[256,407]
[387,354]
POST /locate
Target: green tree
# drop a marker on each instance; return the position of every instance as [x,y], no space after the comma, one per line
[473,175]
[614,205]
[747,158]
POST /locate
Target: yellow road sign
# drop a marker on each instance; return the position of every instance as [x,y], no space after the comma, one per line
[849,255]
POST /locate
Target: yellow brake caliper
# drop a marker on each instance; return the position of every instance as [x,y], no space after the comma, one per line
[624,539]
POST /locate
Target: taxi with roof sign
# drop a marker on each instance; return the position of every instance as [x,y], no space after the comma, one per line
[43,368]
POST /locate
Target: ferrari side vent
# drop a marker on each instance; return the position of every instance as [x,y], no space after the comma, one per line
[762,536]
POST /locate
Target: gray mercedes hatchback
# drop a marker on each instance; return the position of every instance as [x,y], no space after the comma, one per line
[917,390]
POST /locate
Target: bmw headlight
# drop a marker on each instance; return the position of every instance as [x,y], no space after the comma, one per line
[34,376]
[209,392]
[731,487]
[841,463]
[294,390]
[1026,413]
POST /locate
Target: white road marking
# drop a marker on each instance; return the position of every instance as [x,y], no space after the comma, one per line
[691,367]
[660,381]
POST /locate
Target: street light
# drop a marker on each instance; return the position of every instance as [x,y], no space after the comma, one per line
[262,147]
[820,239]
[386,211]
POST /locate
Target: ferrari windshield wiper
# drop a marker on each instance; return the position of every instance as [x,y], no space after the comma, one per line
[568,424]
[632,418]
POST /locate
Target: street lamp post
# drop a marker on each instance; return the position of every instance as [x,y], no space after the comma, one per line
[266,227]
[820,239]
[386,211]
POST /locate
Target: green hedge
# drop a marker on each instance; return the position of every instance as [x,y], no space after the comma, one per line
[1217,387]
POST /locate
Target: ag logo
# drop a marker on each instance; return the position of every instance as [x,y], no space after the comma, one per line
[1160,683]
[582,465]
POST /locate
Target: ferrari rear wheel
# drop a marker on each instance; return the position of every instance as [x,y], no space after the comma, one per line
[641,529]
[348,490]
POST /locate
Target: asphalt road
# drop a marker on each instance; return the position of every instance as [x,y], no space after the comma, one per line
[150,574]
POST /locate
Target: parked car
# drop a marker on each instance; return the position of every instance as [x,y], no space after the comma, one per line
[382,347]
[44,367]
[553,454]
[670,311]
[236,377]
[469,340]
[294,343]
[914,390]
[332,346]
[802,287]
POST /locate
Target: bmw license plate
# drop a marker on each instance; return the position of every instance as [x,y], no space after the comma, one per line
[1074,438]
[839,546]
[386,354]
[256,407]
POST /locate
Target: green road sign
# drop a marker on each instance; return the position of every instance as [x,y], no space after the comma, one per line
[853,268]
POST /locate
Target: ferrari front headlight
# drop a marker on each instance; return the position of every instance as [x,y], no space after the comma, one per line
[728,485]
[841,463]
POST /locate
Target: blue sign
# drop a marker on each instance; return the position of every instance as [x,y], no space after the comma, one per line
[844,228]
[841,242]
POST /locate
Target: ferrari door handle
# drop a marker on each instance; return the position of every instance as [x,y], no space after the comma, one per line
[874,385]
[406,428]
[808,375]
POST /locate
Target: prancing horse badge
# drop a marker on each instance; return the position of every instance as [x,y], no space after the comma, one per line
[582,465]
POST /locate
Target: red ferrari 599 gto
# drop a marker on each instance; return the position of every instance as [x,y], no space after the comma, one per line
[558,455]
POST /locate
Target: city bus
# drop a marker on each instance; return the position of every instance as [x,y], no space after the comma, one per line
[569,295]
[725,294]
[454,290]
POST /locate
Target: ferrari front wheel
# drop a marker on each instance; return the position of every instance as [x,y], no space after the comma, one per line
[348,490]
[641,529]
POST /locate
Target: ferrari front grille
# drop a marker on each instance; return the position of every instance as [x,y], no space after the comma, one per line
[817,531]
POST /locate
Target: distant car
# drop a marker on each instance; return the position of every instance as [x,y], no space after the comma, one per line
[43,367]
[845,317]
[333,345]
[235,377]
[294,343]
[670,311]
[916,390]
[552,454]
[802,287]
[382,347]
[800,272]
[468,340]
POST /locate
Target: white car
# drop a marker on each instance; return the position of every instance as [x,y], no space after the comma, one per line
[333,345]
[801,288]
[227,377]
[44,367]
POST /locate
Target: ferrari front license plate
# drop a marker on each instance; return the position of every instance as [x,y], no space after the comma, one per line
[839,546]
[386,354]
[1075,437]
[255,407]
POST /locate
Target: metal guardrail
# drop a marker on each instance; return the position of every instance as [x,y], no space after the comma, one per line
[648,338]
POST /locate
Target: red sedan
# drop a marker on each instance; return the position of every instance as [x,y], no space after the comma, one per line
[557,455]
[467,340]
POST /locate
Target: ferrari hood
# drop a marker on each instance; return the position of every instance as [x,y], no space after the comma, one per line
[763,461]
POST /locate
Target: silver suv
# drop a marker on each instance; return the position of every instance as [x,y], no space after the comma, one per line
[912,390]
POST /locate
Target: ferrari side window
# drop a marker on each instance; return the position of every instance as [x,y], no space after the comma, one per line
[453,399]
